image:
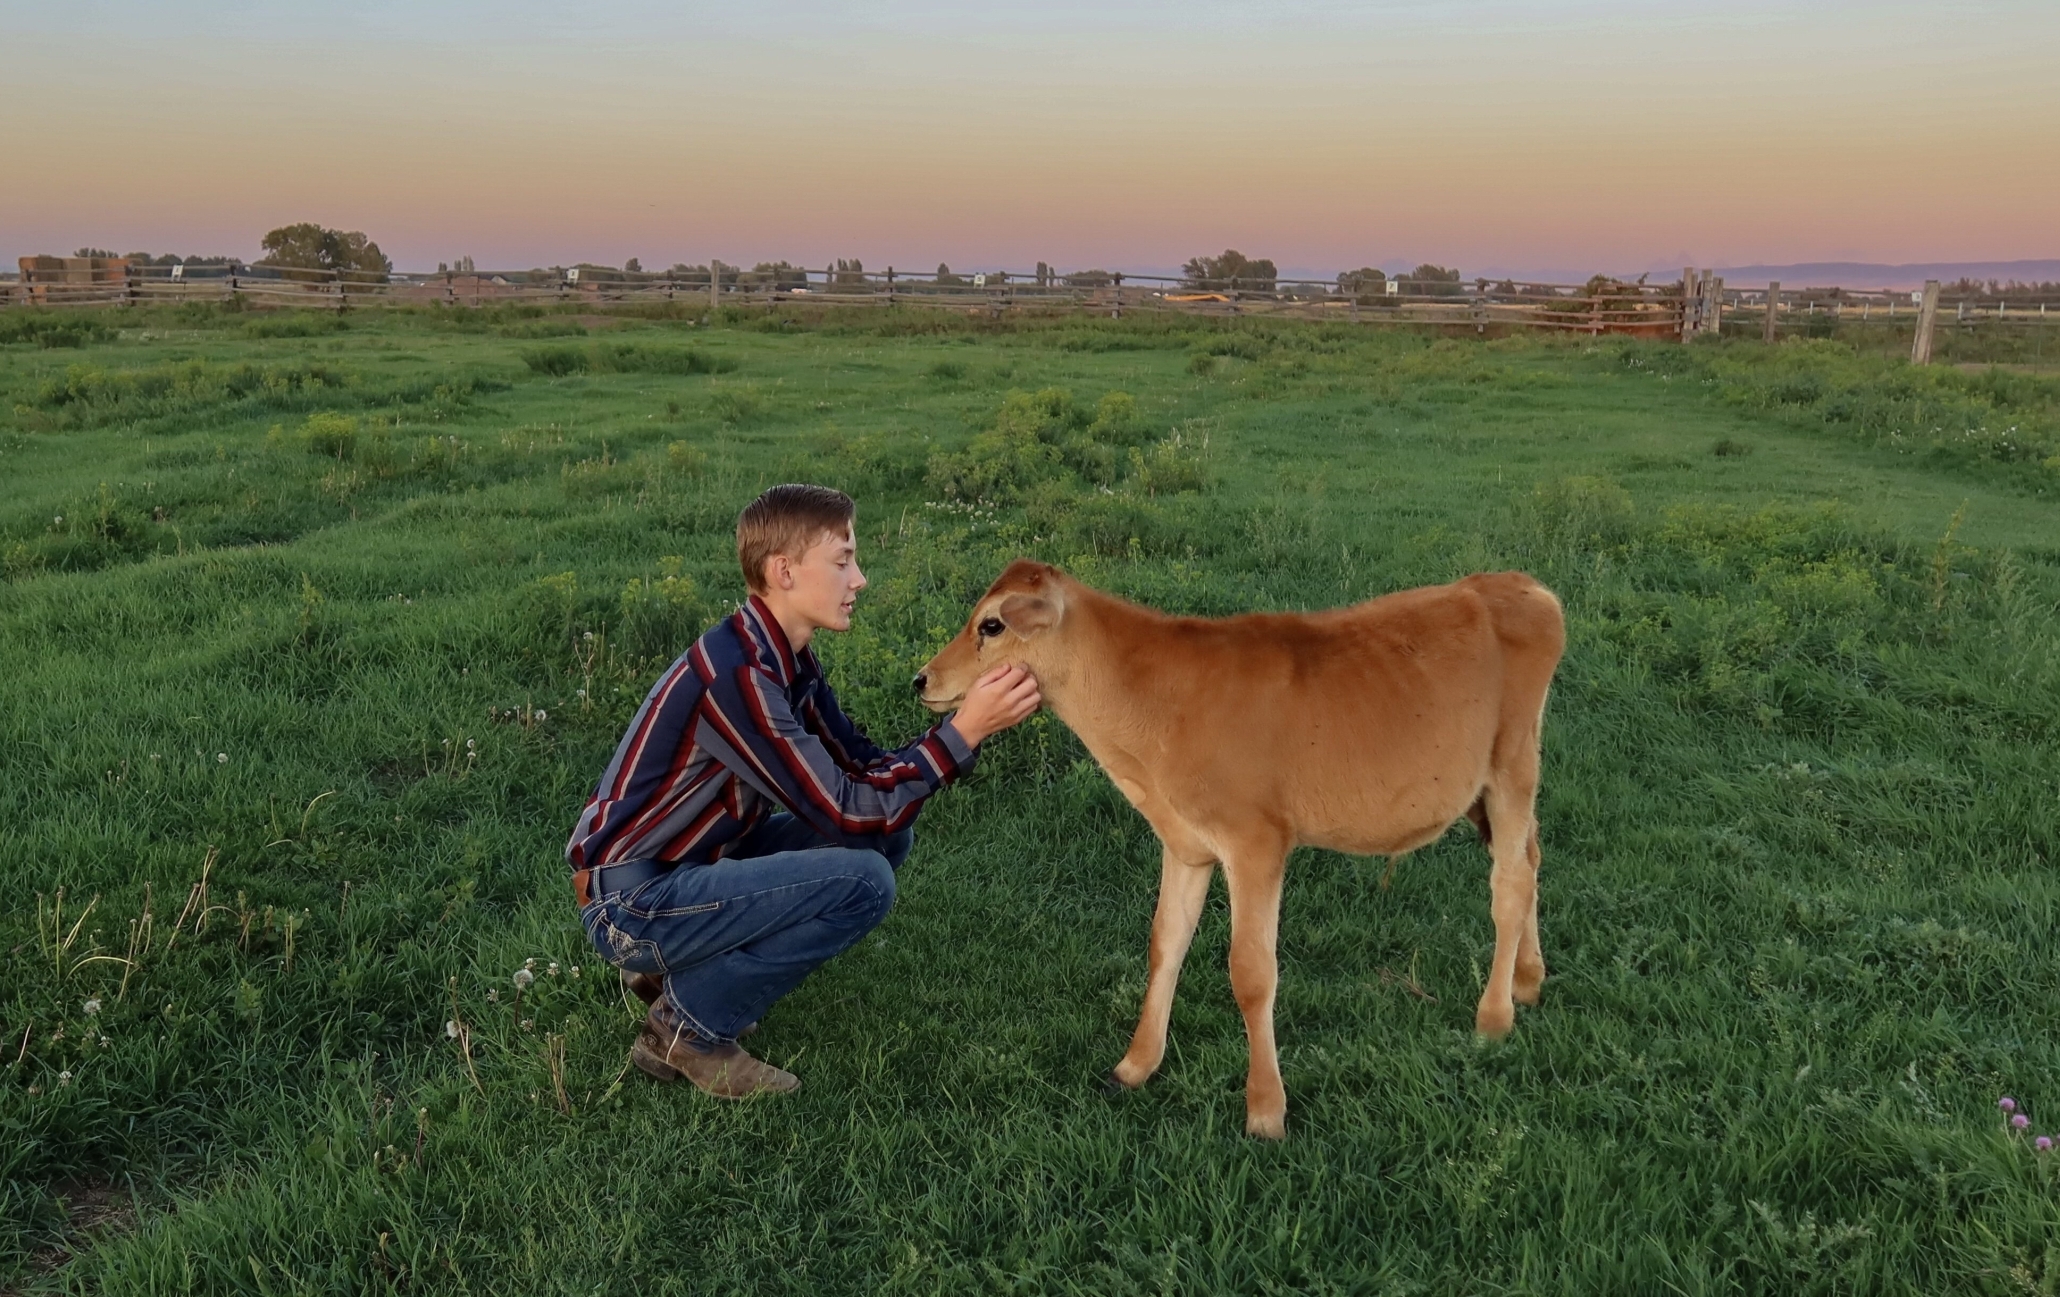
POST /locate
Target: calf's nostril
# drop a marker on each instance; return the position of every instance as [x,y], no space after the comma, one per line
[920,681]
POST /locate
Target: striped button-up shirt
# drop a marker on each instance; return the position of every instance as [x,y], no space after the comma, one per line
[737,727]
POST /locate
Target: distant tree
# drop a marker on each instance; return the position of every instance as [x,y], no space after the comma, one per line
[849,276]
[775,274]
[1367,282]
[307,246]
[633,266]
[1428,280]
[1214,274]
[102,253]
[1089,279]
[945,279]
[682,273]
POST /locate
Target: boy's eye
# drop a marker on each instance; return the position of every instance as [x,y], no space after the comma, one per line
[991,627]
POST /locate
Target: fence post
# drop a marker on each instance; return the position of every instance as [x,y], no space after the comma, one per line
[1713,304]
[1927,319]
[130,288]
[1117,313]
[714,283]
[1773,311]
[1688,303]
[890,285]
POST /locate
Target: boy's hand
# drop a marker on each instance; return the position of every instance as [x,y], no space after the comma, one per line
[997,700]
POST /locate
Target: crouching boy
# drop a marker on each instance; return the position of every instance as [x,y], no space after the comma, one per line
[746,831]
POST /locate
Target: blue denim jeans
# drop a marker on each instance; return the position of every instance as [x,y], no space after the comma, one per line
[732,937]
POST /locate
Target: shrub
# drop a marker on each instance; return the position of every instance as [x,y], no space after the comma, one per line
[555,362]
[296,324]
[737,404]
[46,329]
[686,459]
[543,329]
[623,358]
[1117,421]
[1581,512]
[90,396]
[1201,364]
[1170,467]
[1727,448]
[947,371]
[333,435]
[662,614]
[639,358]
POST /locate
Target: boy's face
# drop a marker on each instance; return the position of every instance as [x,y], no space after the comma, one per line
[823,584]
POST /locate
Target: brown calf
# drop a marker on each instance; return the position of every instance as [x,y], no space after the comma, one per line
[1367,729]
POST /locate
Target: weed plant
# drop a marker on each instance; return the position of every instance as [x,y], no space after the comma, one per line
[311,647]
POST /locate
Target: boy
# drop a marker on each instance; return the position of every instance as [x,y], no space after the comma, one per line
[746,831]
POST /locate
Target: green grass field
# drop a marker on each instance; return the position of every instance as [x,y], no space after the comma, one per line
[345,622]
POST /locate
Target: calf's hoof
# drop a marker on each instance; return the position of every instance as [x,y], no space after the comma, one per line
[1492,1022]
[1112,1086]
[1528,991]
[1129,1075]
[1266,1125]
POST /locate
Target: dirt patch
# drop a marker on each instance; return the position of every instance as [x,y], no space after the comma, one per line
[93,1209]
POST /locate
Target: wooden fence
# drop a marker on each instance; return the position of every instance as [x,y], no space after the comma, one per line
[1695,305]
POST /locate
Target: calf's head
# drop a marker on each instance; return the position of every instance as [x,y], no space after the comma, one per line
[1017,622]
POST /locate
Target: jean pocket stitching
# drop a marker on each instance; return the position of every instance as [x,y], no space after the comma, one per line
[672,913]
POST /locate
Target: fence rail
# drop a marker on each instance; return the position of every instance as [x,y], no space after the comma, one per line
[1695,304]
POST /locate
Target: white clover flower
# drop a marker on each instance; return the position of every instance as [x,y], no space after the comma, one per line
[64,1078]
[529,1024]
[471,743]
[221,758]
[493,995]
[523,977]
[542,716]
[575,970]
[92,1006]
[530,963]
[552,971]
[450,1029]
[58,521]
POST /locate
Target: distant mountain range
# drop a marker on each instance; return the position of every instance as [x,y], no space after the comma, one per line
[1865,274]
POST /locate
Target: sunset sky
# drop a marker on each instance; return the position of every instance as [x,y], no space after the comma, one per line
[1495,136]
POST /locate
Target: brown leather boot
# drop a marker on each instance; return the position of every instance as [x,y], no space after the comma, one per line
[649,986]
[725,1071]
[645,986]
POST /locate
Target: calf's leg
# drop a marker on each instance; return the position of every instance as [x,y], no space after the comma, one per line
[1183,888]
[1513,883]
[1253,874]
[1529,982]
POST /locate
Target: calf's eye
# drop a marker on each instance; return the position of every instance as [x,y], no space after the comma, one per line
[991,627]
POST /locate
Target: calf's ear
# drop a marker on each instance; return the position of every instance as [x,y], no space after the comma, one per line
[1026,614]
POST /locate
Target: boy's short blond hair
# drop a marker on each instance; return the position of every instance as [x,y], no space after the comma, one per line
[787,519]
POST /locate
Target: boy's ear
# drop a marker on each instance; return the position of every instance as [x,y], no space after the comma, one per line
[1026,614]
